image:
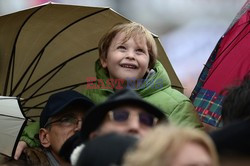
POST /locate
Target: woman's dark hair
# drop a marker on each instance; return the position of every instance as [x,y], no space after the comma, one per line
[236,104]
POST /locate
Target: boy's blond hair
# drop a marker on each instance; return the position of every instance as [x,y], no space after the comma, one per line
[131,30]
[161,146]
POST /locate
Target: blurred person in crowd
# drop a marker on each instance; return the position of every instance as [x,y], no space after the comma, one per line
[124,112]
[232,141]
[236,104]
[106,150]
[60,119]
[173,146]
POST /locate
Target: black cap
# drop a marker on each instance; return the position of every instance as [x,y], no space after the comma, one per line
[97,114]
[59,101]
[233,138]
[106,150]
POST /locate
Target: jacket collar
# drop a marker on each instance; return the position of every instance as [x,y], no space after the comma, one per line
[153,83]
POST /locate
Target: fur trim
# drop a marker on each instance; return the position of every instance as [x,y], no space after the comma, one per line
[76,153]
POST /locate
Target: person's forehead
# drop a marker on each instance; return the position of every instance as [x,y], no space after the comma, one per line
[70,112]
[131,108]
[122,37]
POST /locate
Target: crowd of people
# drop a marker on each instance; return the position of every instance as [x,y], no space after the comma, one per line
[133,126]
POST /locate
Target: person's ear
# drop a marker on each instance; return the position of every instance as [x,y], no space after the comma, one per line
[103,62]
[44,137]
[93,135]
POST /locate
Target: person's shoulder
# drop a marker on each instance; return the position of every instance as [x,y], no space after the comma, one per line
[30,156]
[36,156]
[168,100]
[97,95]
[173,95]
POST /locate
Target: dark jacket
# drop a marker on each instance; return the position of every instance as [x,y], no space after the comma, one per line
[29,157]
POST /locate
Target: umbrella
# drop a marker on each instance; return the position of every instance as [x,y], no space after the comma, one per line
[12,122]
[227,64]
[53,47]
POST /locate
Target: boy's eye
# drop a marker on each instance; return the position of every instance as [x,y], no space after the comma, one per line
[140,51]
[121,48]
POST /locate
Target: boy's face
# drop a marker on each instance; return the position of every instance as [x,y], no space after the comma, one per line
[127,60]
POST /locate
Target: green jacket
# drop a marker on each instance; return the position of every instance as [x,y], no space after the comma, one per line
[29,134]
[157,91]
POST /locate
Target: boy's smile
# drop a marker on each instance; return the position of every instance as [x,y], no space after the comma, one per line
[129,66]
[127,59]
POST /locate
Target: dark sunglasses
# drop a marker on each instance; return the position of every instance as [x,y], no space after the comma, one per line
[65,121]
[122,115]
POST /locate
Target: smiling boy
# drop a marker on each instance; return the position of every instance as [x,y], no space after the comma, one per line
[128,52]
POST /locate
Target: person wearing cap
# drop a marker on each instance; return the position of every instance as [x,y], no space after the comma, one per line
[124,112]
[60,119]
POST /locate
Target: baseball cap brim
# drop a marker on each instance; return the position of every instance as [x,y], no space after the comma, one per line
[86,104]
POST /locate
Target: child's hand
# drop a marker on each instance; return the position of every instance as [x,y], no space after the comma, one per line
[20,147]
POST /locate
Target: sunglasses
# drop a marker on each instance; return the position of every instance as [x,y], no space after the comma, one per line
[65,121]
[122,115]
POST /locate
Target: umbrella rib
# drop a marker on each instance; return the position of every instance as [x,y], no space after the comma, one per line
[32,72]
[228,52]
[55,90]
[34,117]
[71,87]
[34,107]
[7,98]
[82,18]
[11,116]
[13,54]
[12,71]
[59,66]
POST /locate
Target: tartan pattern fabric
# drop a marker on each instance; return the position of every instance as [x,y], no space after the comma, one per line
[208,105]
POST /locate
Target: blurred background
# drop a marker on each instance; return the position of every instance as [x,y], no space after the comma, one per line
[188,29]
